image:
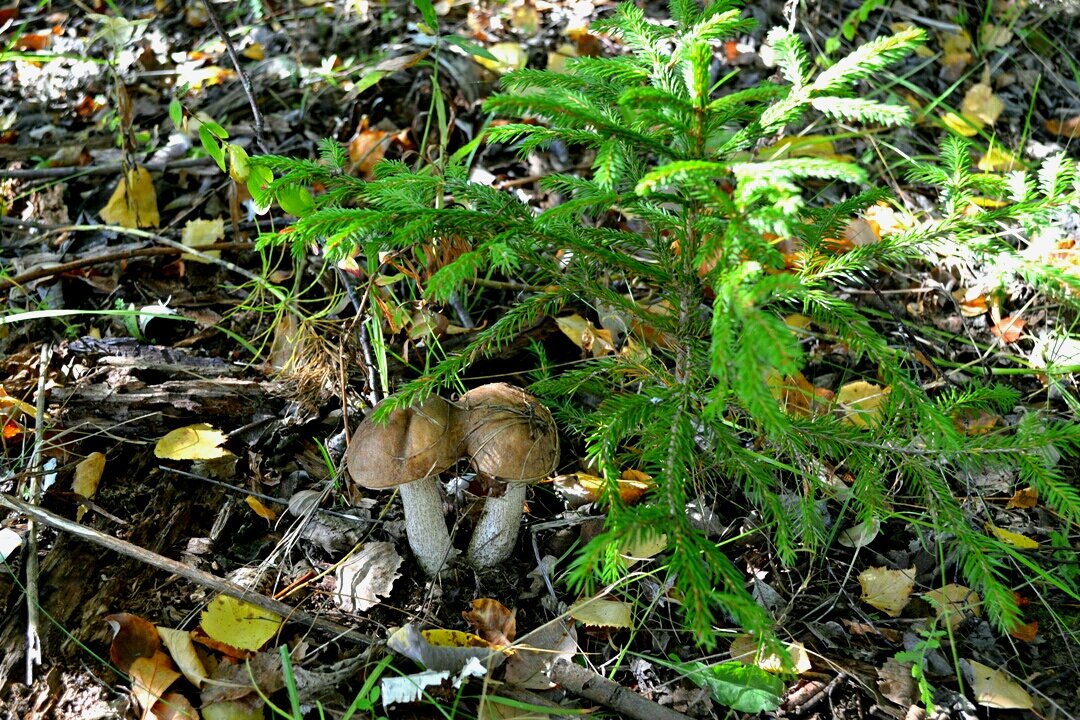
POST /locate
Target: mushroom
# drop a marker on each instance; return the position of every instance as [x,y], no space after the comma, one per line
[407,452]
[510,436]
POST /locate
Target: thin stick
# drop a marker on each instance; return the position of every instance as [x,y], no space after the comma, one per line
[44,272]
[33,638]
[244,81]
[195,575]
[76,171]
[587,684]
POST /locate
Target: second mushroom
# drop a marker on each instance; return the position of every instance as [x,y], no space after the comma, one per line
[506,433]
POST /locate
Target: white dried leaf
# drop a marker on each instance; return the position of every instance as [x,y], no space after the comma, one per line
[366,576]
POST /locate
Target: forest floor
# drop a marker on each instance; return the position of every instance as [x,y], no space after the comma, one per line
[112,337]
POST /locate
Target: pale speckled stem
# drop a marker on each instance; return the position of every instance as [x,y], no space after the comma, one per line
[497,529]
[425,525]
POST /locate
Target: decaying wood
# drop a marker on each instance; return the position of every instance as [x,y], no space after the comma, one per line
[128,406]
[587,684]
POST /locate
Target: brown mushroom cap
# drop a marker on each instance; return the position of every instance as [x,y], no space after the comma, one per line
[415,443]
[508,433]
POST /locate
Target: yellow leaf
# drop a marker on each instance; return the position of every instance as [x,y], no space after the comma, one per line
[87,476]
[231,710]
[508,56]
[998,160]
[557,60]
[239,624]
[863,402]
[194,442]
[981,102]
[134,203]
[744,648]
[198,233]
[1010,538]
[1024,498]
[14,402]
[961,124]
[602,613]
[182,650]
[254,51]
[887,590]
[955,603]
[454,638]
[995,689]
[644,546]
[259,509]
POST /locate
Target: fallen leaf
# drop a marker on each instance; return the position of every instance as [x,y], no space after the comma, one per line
[993,36]
[896,683]
[863,402]
[238,624]
[7,401]
[492,621]
[974,421]
[134,202]
[995,689]
[1069,128]
[231,710]
[861,232]
[962,124]
[955,603]
[860,534]
[599,612]
[9,541]
[1008,329]
[1026,632]
[150,678]
[183,654]
[741,687]
[174,706]
[530,665]
[443,650]
[997,159]
[1024,498]
[746,650]
[887,590]
[508,56]
[593,340]
[980,102]
[194,442]
[367,576]
[259,509]
[1011,538]
[367,147]
[198,233]
[87,476]
[972,301]
[133,638]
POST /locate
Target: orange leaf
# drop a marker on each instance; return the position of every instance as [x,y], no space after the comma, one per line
[150,678]
[1009,329]
[492,621]
[259,509]
[133,638]
[1024,498]
[1068,128]
[1026,632]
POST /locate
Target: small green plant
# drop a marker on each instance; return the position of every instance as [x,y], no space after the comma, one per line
[676,230]
[929,641]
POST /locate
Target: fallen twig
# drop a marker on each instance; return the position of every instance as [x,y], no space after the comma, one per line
[195,575]
[591,686]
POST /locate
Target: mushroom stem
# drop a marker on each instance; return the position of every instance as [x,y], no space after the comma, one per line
[497,529]
[425,525]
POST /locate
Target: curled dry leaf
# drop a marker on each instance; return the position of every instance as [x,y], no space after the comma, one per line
[492,621]
[887,590]
[183,653]
[1008,329]
[443,650]
[366,577]
[533,657]
[1069,128]
[1024,498]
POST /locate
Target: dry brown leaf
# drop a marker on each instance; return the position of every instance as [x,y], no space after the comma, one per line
[1024,498]
[1008,329]
[492,621]
[1026,632]
[367,147]
[183,654]
[150,678]
[1069,128]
